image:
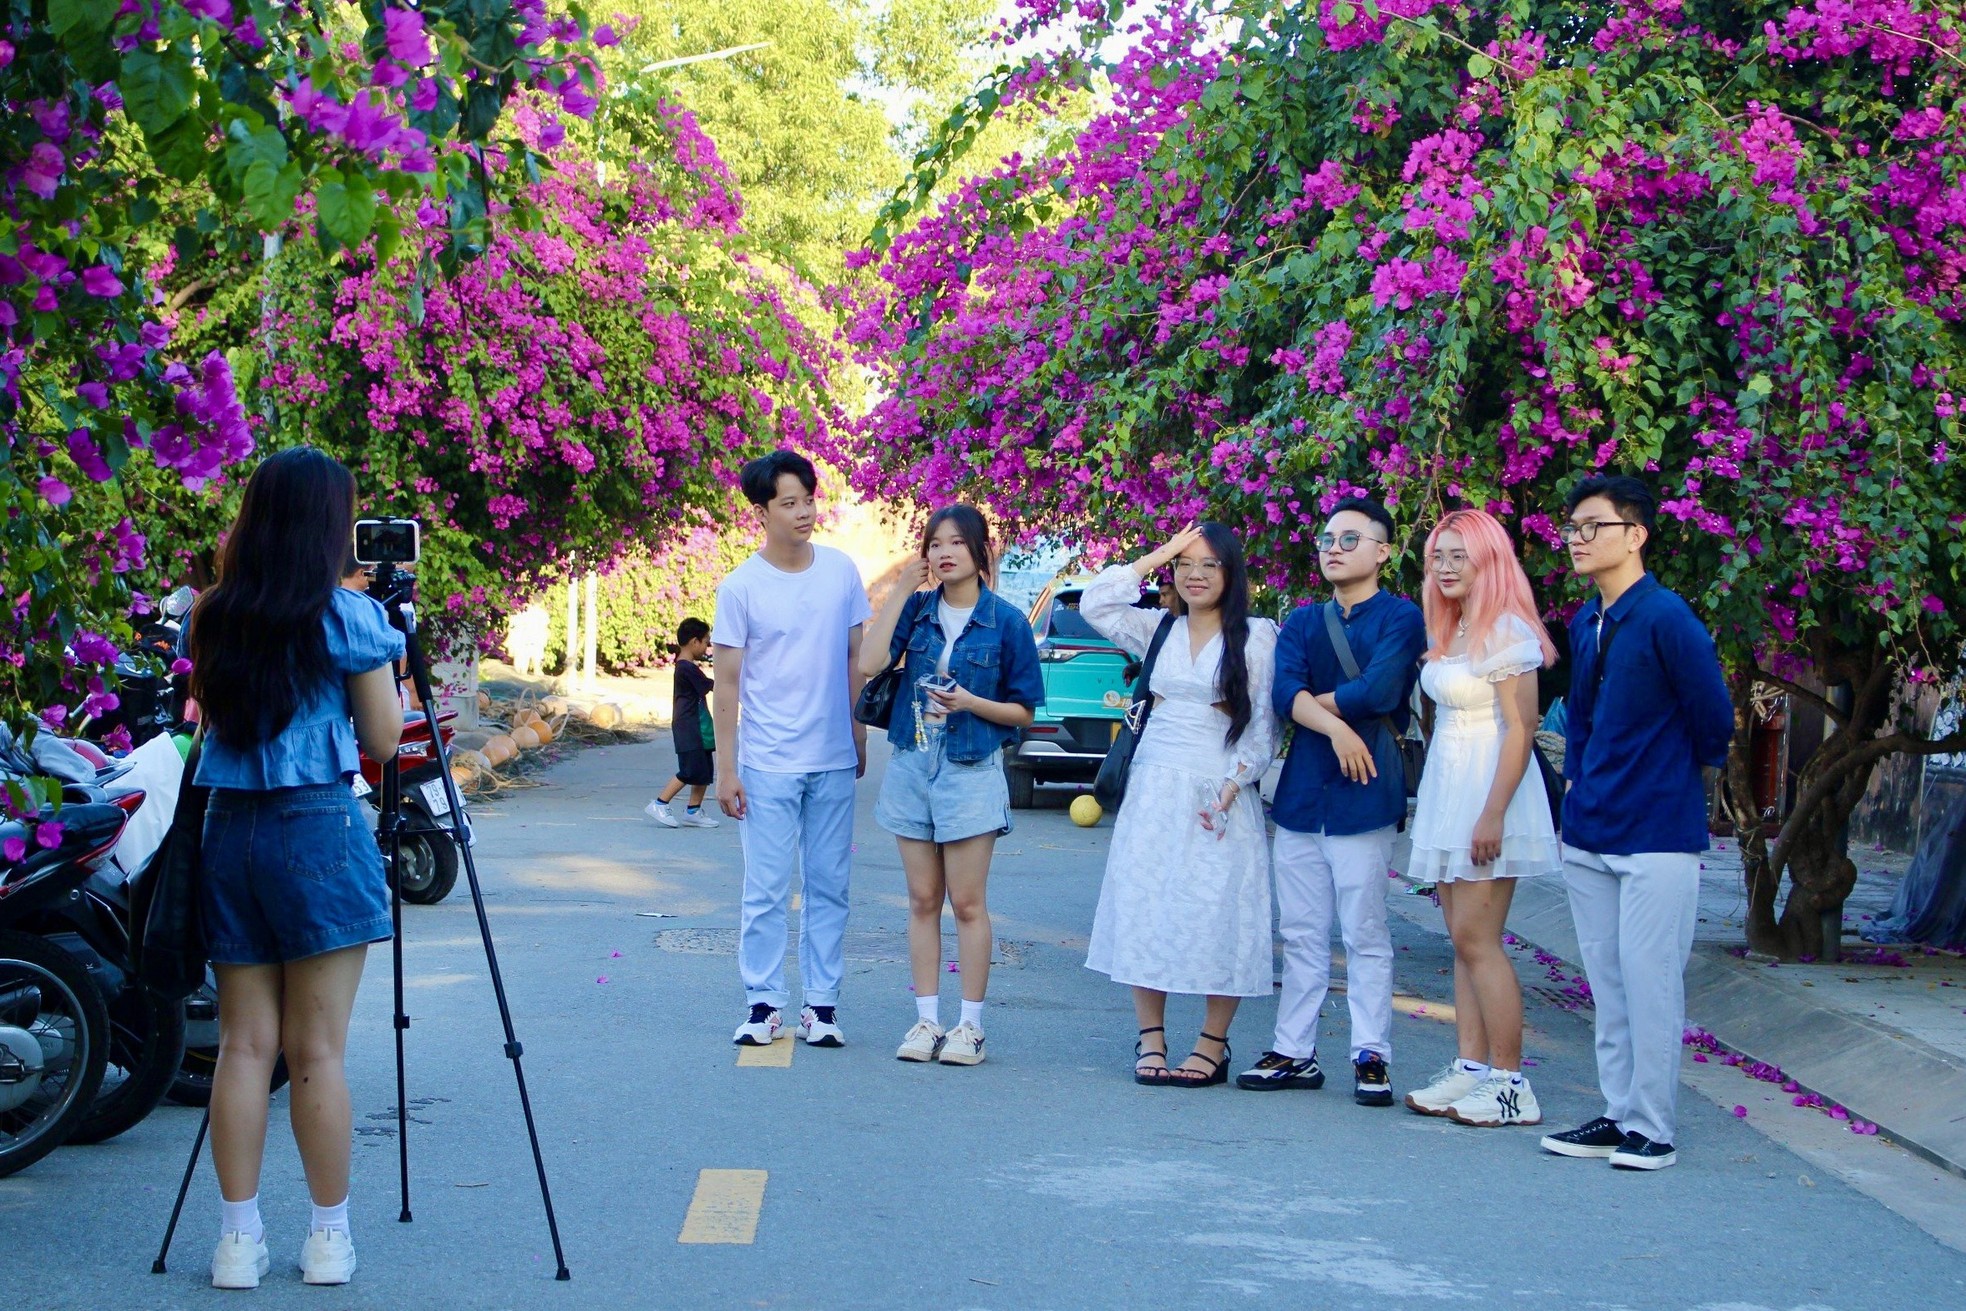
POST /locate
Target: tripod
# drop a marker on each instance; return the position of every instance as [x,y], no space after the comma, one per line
[396,591]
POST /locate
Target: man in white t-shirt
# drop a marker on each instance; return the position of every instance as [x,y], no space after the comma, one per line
[787,640]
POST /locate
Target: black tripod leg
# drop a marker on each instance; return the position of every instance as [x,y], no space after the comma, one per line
[190,1168]
[420,675]
[392,816]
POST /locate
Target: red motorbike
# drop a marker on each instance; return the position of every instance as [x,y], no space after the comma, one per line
[429,860]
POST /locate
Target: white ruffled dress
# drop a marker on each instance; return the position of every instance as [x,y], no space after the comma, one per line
[1181,910]
[1462,757]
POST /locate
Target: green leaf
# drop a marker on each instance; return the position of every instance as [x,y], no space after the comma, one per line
[345,204]
[83,18]
[158,87]
[1480,66]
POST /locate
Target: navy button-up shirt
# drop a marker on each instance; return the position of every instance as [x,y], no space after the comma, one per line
[995,657]
[1387,635]
[1635,744]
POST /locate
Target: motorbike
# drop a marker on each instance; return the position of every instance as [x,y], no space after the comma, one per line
[54,1022]
[149,702]
[429,861]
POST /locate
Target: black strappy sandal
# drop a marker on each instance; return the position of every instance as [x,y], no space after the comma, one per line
[1181,1077]
[1151,1077]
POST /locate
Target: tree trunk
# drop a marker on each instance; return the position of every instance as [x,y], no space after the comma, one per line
[1762,884]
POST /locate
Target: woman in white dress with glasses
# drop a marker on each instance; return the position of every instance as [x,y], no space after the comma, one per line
[1482,819]
[1185,904]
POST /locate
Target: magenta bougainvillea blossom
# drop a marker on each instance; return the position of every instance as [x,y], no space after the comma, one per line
[1466,253]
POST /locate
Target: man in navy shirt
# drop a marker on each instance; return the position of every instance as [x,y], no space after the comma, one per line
[1648,707]
[1339,802]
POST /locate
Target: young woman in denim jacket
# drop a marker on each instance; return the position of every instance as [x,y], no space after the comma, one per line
[970,682]
[290,671]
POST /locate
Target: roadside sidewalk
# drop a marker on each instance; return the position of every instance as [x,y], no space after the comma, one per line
[1881,1032]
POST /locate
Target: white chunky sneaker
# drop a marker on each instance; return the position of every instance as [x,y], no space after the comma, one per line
[327,1257]
[1449,1086]
[760,1029]
[239,1261]
[1499,1101]
[658,812]
[963,1046]
[922,1042]
[818,1031]
[698,818]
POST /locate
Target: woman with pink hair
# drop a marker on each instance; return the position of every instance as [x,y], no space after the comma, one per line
[1482,819]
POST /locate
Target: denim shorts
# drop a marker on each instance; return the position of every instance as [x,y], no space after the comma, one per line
[928,797]
[290,874]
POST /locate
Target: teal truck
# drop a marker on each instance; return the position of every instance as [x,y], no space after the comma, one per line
[1087,684]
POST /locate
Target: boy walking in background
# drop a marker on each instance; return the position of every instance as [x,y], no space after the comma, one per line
[693,730]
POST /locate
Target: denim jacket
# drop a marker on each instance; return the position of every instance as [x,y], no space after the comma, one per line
[995,658]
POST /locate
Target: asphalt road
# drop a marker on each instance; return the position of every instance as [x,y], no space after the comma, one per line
[1043,1178]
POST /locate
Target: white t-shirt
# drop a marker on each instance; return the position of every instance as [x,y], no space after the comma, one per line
[953,622]
[794,716]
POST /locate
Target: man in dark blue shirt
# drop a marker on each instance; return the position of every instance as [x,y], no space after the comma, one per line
[1340,800]
[1648,707]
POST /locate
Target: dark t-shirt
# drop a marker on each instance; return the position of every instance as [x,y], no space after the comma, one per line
[688,706]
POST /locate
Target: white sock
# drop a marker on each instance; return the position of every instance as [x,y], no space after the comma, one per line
[241,1218]
[332,1217]
[1513,1076]
[930,1009]
[973,1014]
[1476,1068]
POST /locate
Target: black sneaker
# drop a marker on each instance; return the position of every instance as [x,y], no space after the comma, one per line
[1599,1138]
[1374,1086]
[1276,1070]
[1637,1152]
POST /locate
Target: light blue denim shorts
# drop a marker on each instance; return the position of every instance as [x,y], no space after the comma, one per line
[930,798]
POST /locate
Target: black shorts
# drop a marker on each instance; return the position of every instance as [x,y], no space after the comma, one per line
[695,768]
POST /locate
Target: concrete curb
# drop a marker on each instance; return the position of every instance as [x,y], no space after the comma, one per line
[1913,1092]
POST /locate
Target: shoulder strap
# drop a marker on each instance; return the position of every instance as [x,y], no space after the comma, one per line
[1606,635]
[1153,649]
[1339,642]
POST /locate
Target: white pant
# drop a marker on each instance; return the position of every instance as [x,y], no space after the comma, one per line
[1634,917]
[1317,873]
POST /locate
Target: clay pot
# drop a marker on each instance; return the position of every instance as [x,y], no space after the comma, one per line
[500,749]
[544,729]
[606,715]
[525,739]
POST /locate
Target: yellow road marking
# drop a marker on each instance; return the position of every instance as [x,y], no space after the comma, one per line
[778,1055]
[726,1206]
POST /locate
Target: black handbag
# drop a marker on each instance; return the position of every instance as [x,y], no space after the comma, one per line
[874,707]
[1109,789]
[1412,751]
[167,931]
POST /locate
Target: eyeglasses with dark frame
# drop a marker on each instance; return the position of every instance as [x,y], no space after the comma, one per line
[1586,530]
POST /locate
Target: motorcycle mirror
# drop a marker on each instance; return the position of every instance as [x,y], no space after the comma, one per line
[178,604]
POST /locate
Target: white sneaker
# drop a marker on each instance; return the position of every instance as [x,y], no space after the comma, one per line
[697,819]
[963,1046]
[1448,1087]
[1499,1100]
[922,1042]
[818,1032]
[327,1257]
[239,1261]
[760,1030]
[658,812]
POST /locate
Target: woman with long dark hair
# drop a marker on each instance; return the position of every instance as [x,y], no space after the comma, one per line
[970,680]
[290,670]
[1185,906]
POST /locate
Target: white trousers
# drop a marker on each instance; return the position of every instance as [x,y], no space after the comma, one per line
[1635,917]
[1317,874]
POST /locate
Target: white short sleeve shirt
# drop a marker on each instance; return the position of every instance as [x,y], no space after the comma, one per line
[794,715]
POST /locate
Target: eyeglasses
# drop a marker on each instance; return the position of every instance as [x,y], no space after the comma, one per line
[1207,568]
[1344,541]
[1586,531]
[1448,561]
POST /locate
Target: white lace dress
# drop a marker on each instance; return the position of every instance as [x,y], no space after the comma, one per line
[1181,910]
[1462,757]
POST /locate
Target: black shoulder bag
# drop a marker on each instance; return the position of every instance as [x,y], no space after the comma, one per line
[875,705]
[1109,789]
[1412,751]
[167,930]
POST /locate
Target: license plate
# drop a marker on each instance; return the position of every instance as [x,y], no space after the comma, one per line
[435,797]
[362,788]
